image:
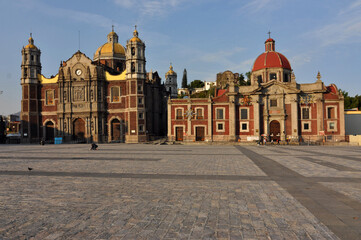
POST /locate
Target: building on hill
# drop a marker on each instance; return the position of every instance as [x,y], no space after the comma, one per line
[108,99]
[274,107]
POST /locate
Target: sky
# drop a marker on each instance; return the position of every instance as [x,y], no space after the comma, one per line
[203,36]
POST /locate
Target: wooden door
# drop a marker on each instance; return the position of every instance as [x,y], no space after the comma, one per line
[115,130]
[179,133]
[275,131]
[79,129]
[199,133]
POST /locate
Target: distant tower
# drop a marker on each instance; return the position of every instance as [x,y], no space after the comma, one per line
[30,68]
[184,79]
[171,82]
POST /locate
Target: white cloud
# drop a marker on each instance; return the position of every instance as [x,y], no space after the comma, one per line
[255,6]
[346,28]
[125,3]
[150,8]
[300,59]
[79,16]
[220,56]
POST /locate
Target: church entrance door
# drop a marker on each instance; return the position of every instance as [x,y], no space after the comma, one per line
[116,131]
[199,133]
[49,131]
[79,129]
[275,131]
[179,133]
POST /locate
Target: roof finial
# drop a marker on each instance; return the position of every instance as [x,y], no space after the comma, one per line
[135,27]
[318,76]
[112,27]
[31,35]
[269,34]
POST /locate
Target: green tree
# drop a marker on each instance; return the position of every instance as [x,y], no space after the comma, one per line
[242,81]
[351,102]
[184,79]
[196,84]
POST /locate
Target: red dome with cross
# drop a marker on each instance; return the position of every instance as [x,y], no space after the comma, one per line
[270,58]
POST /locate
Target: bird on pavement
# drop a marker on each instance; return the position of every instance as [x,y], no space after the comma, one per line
[29,168]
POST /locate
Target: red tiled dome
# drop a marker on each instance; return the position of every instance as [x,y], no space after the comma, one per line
[270,58]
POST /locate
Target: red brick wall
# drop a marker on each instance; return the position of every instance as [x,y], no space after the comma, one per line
[288,127]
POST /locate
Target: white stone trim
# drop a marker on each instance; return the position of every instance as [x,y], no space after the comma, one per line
[328,126]
[175,127]
[200,125]
[176,116]
[240,115]
[331,106]
[224,113]
[223,128]
[309,126]
[309,113]
[195,110]
[240,127]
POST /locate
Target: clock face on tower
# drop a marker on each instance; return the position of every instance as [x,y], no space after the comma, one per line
[78,72]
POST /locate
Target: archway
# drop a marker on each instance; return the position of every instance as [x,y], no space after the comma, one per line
[79,129]
[275,131]
[49,131]
[115,130]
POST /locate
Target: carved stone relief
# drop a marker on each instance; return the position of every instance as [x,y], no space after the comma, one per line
[78,94]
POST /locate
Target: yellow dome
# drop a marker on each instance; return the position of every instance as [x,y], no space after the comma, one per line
[108,48]
[135,38]
[170,72]
[31,44]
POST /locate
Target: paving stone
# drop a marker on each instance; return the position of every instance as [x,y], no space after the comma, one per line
[169,192]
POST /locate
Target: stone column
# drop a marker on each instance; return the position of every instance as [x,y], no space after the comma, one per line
[256,116]
[294,116]
[170,120]
[342,118]
[210,122]
[189,123]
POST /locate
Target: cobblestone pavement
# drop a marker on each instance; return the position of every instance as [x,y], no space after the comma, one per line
[143,191]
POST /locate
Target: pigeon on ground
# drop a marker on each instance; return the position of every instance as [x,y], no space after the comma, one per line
[29,168]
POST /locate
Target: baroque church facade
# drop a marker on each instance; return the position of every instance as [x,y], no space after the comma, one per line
[110,98]
[273,107]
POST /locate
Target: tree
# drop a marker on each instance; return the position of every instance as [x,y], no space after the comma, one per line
[248,75]
[184,79]
[196,84]
[242,81]
[351,102]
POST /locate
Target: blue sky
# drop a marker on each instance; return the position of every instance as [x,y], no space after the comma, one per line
[203,36]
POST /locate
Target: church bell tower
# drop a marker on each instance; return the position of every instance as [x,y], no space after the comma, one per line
[30,68]
[136,76]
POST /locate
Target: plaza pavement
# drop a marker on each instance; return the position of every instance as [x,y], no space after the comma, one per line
[143,191]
